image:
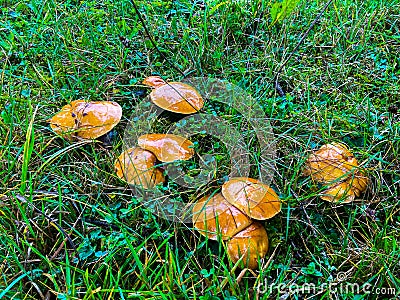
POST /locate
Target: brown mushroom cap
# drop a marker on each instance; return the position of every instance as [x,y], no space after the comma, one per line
[346,191]
[334,165]
[137,166]
[252,197]
[250,244]
[87,120]
[330,162]
[167,147]
[63,123]
[154,81]
[176,97]
[213,215]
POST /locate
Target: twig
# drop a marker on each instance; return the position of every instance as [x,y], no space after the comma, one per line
[152,40]
[278,73]
[52,221]
[162,54]
[100,223]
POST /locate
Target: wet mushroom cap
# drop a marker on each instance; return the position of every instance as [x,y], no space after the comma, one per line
[137,166]
[213,216]
[346,191]
[167,147]
[252,197]
[63,123]
[86,120]
[334,165]
[176,97]
[330,162]
[154,81]
[250,245]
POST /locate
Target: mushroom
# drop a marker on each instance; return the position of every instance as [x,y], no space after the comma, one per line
[86,120]
[176,97]
[137,166]
[348,190]
[213,216]
[252,197]
[230,215]
[330,162]
[250,244]
[334,165]
[167,147]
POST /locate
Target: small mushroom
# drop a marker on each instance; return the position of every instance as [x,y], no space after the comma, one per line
[250,244]
[154,81]
[213,215]
[167,147]
[176,97]
[334,165]
[86,120]
[137,166]
[252,197]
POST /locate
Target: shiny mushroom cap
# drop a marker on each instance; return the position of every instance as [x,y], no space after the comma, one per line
[154,81]
[213,216]
[167,147]
[330,162]
[346,191]
[137,166]
[250,245]
[252,197]
[86,120]
[334,165]
[176,97]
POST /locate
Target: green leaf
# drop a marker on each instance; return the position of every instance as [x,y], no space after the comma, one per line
[28,149]
[275,9]
[212,11]
[281,10]
[6,115]
[311,270]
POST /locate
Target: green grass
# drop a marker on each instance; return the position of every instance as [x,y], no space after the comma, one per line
[342,85]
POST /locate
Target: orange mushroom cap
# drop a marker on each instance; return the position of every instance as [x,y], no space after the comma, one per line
[154,81]
[167,147]
[63,123]
[348,190]
[86,120]
[334,165]
[176,97]
[252,197]
[330,162]
[137,166]
[213,215]
[250,244]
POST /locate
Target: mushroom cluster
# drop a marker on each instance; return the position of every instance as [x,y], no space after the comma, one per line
[231,216]
[81,119]
[86,120]
[336,167]
[140,165]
